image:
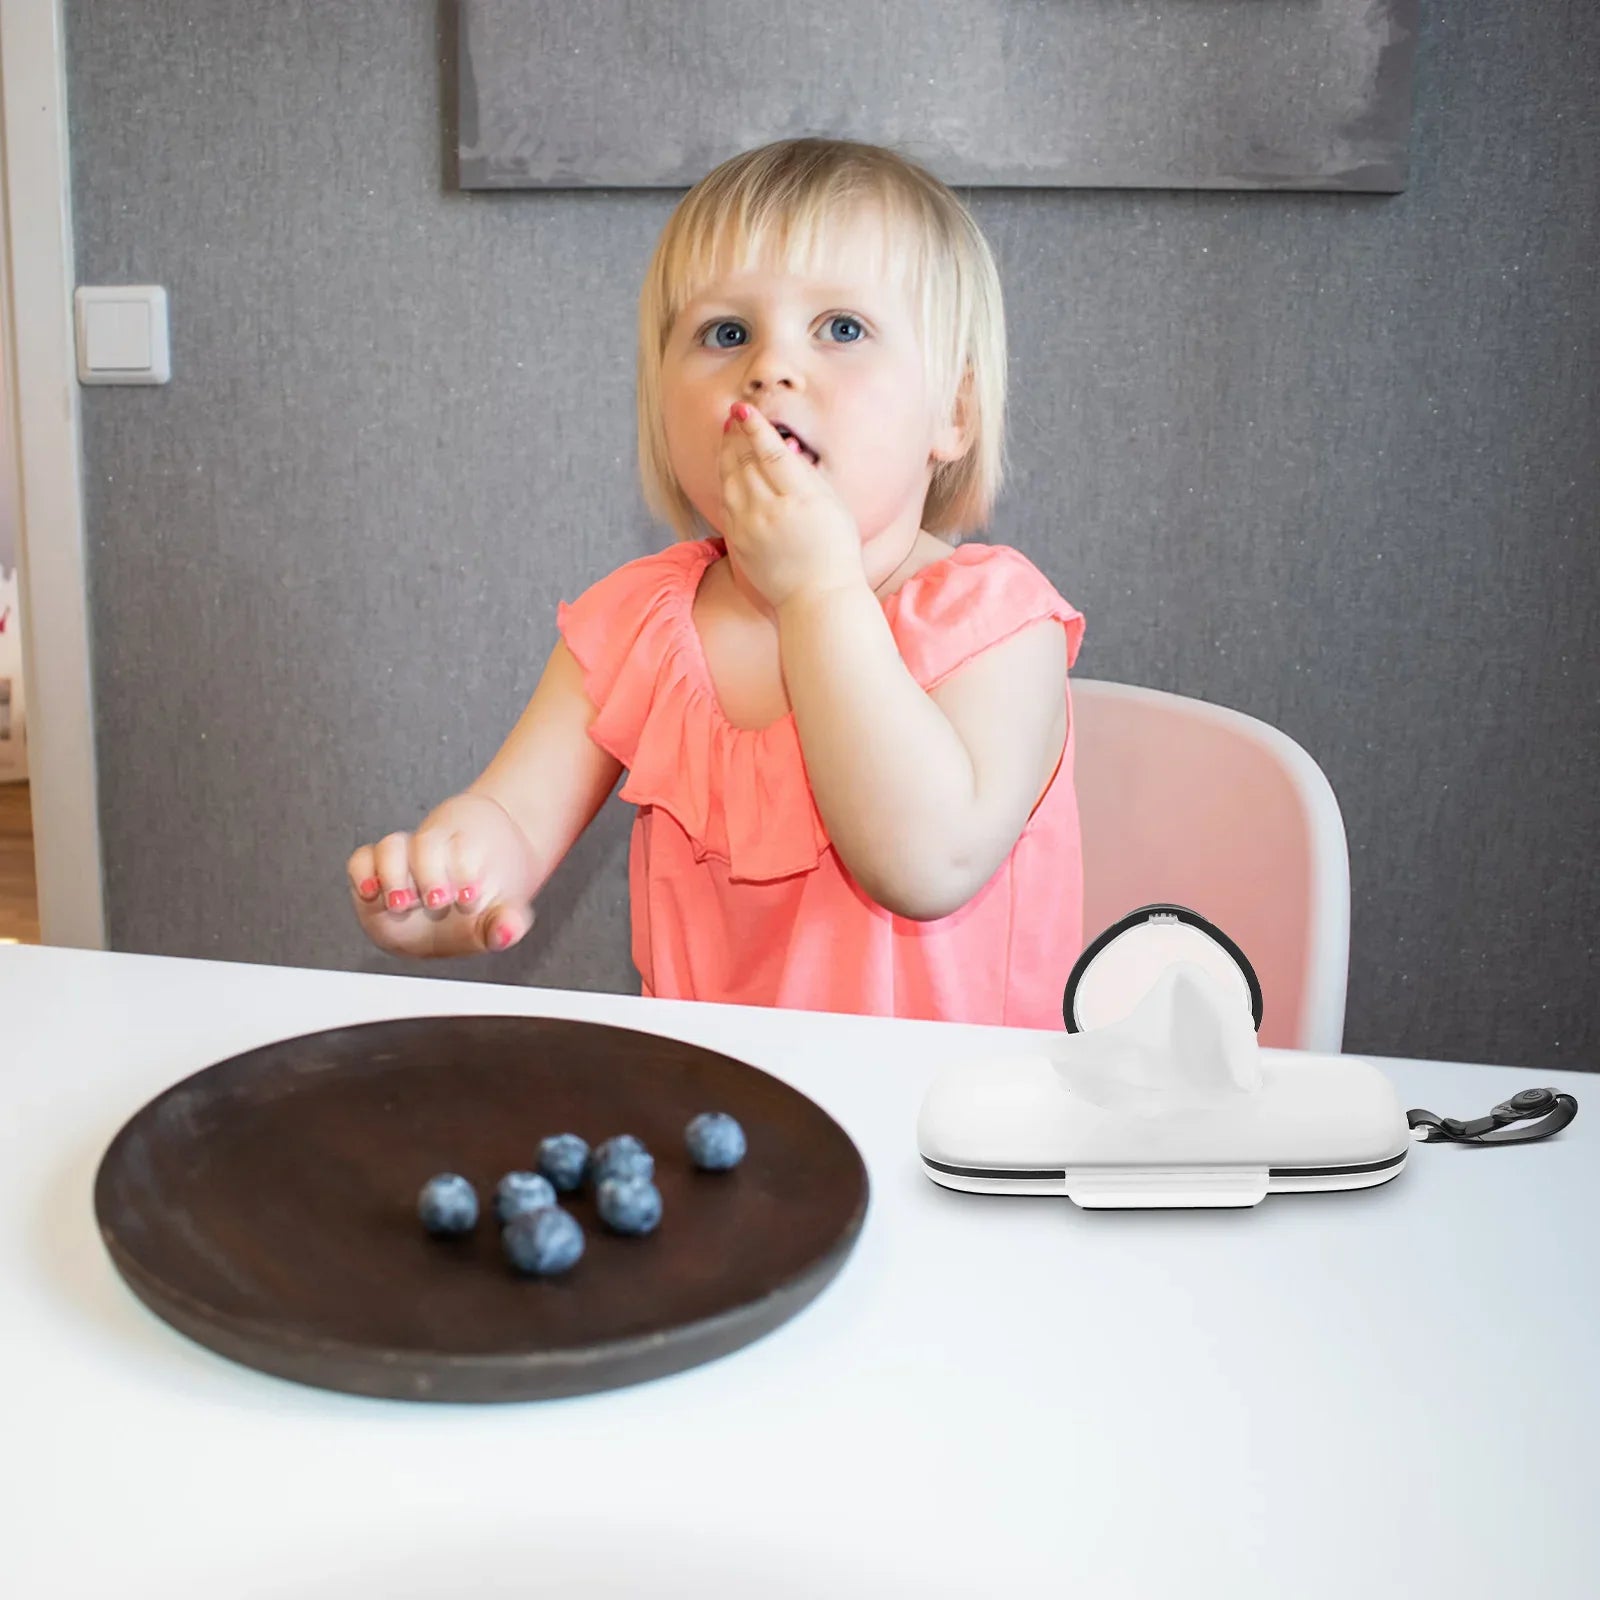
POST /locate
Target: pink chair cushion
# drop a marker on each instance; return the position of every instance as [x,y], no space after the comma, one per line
[1179,806]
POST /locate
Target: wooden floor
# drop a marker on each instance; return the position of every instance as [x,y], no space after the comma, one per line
[19,909]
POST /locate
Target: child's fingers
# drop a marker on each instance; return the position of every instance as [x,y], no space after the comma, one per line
[764,448]
[746,492]
[739,462]
[468,869]
[391,856]
[430,866]
[504,926]
[734,460]
[362,871]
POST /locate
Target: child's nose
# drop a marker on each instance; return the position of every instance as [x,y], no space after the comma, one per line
[768,380]
[771,366]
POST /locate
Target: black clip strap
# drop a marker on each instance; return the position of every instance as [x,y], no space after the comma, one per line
[1553,1110]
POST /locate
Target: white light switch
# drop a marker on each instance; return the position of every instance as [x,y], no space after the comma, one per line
[122,335]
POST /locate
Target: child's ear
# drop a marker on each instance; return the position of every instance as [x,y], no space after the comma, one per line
[953,438]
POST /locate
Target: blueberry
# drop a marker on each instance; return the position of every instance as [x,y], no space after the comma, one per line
[543,1242]
[716,1142]
[621,1157]
[562,1158]
[629,1205]
[448,1205]
[520,1192]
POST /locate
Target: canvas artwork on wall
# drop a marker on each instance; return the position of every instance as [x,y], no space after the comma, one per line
[1168,94]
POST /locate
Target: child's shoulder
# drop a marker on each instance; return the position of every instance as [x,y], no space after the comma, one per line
[974,577]
[645,602]
[665,569]
[973,598]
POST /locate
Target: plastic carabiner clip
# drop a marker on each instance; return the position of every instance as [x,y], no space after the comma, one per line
[1554,1111]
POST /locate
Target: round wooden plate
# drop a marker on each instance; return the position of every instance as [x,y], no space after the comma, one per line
[266,1207]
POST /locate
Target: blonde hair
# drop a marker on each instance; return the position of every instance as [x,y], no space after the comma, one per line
[776,205]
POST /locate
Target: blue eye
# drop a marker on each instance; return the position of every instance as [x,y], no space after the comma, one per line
[730,334]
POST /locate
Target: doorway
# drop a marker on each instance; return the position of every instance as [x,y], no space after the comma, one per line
[49,825]
[19,901]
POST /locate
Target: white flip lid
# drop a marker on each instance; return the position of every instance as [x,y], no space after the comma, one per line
[1124,963]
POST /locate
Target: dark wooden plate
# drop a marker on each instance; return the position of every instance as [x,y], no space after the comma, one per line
[266,1207]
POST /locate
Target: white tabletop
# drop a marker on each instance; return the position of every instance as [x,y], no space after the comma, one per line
[1384,1392]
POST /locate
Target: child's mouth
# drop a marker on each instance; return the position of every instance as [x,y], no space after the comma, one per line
[786,432]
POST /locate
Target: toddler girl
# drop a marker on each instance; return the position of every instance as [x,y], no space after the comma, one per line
[848,738]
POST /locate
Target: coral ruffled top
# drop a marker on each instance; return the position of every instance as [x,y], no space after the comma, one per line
[737,894]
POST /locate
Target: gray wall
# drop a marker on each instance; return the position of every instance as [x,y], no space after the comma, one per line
[1325,458]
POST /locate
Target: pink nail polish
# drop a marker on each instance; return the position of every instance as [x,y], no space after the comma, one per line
[437,897]
[468,895]
[502,937]
[727,422]
[369,887]
[397,899]
[741,411]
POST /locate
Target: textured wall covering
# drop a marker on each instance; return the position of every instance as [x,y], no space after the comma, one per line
[1230,94]
[1329,459]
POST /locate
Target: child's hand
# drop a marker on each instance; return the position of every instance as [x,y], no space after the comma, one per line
[786,528]
[463,882]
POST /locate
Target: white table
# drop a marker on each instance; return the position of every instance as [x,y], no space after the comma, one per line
[1382,1393]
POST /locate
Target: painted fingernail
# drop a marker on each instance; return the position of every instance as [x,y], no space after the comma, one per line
[727,422]
[398,899]
[741,410]
[468,895]
[501,937]
[369,887]
[437,897]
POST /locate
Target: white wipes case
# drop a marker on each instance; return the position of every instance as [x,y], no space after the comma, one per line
[1163,1097]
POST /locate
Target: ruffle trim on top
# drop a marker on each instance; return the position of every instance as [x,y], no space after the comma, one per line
[977,597]
[741,794]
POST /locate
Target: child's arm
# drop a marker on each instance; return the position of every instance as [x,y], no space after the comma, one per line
[467,876]
[923,795]
[549,775]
